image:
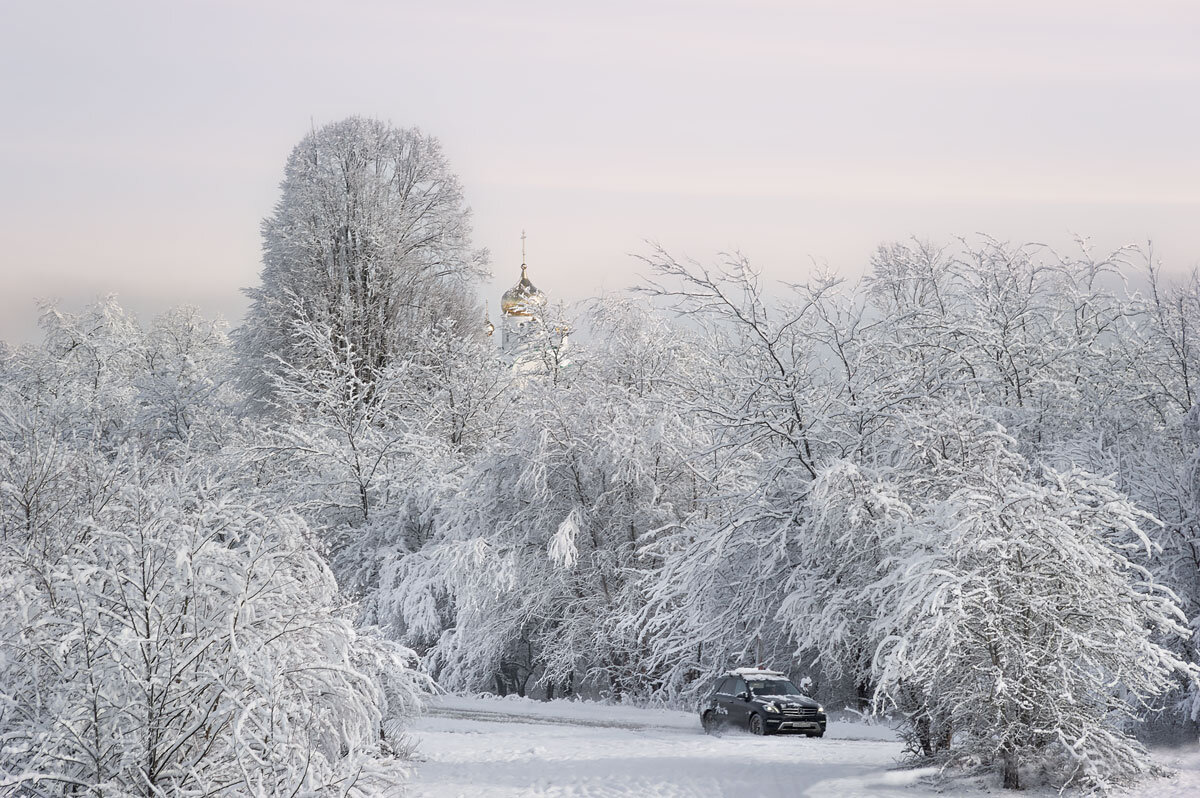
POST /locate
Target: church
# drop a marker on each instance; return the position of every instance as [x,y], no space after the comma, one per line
[530,342]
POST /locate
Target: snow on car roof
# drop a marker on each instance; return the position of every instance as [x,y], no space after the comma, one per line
[758,672]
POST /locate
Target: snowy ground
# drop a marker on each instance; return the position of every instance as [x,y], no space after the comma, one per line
[494,748]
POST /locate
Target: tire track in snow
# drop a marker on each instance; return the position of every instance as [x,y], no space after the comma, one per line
[487,716]
[490,716]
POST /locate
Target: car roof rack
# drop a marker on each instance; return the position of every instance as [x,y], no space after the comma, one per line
[756,672]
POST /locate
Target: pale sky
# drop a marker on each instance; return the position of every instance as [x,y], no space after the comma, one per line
[143,142]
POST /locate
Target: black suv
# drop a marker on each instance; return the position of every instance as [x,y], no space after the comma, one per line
[762,701]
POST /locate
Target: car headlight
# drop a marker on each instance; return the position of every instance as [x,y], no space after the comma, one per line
[820,709]
[770,707]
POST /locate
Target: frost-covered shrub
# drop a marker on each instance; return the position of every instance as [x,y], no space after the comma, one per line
[189,645]
[1014,623]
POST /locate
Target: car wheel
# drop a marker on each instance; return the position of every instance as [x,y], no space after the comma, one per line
[815,734]
[709,722]
[756,725]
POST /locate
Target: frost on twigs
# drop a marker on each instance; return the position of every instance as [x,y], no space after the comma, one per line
[562,549]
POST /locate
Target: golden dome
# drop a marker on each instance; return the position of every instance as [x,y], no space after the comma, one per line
[523,299]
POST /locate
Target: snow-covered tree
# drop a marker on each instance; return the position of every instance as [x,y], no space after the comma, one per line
[370,238]
[372,462]
[847,425]
[190,645]
[165,628]
[1014,621]
[830,606]
[766,394]
[1162,471]
[185,386]
[542,553]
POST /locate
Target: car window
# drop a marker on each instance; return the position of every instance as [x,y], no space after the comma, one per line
[739,686]
[725,685]
[773,687]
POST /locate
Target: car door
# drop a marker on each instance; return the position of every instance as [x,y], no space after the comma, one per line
[739,708]
[723,699]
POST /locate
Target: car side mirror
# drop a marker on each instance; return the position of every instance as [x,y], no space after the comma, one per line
[745,696]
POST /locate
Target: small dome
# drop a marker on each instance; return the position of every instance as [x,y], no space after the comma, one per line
[523,299]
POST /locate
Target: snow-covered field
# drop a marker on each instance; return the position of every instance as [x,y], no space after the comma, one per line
[504,748]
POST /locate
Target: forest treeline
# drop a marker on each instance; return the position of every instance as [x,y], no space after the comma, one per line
[963,490]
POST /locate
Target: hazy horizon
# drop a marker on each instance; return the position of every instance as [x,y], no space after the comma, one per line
[145,141]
